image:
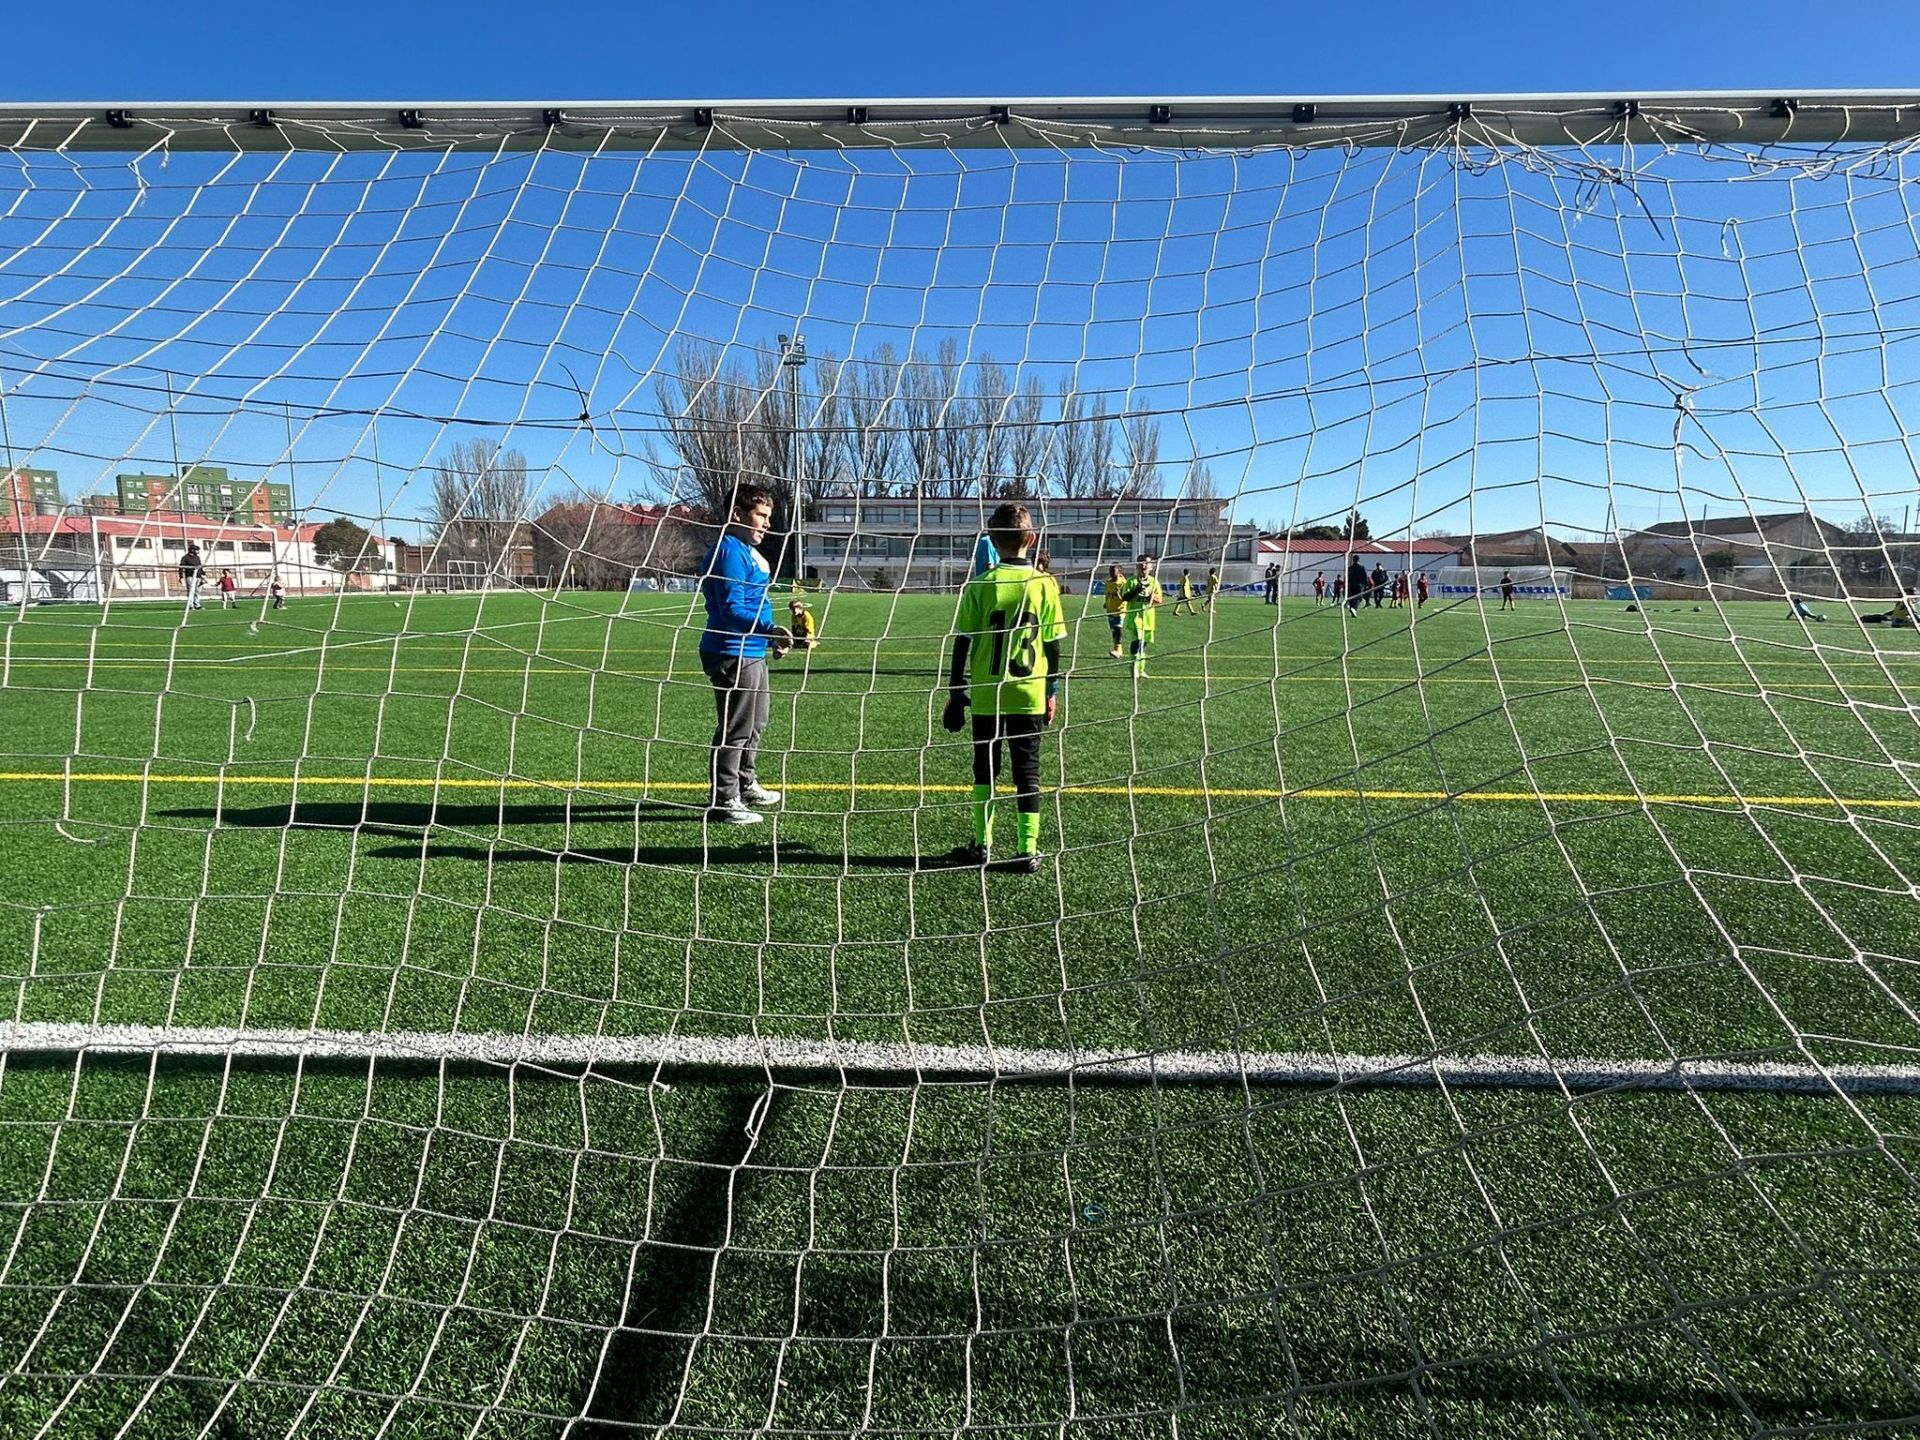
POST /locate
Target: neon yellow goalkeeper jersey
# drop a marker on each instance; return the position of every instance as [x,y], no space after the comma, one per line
[1143,593]
[1009,614]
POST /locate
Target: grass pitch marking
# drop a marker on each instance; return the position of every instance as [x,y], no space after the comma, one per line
[981,1063]
[1179,792]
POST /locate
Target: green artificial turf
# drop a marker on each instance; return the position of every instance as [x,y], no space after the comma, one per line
[1301,832]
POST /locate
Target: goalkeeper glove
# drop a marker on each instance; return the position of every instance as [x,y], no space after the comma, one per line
[954,717]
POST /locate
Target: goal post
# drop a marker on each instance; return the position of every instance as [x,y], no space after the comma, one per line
[1320,1010]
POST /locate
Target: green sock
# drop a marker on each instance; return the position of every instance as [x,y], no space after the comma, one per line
[983,815]
[1027,827]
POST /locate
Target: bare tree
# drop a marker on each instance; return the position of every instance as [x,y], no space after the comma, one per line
[923,408]
[1142,474]
[963,427]
[992,394]
[1026,440]
[772,418]
[479,500]
[675,544]
[873,441]
[1101,429]
[1210,531]
[587,541]
[823,423]
[706,408]
[1072,467]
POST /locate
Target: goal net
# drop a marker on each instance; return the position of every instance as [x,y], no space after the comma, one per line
[1419,1016]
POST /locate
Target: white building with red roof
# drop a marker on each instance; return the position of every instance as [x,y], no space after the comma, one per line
[131,557]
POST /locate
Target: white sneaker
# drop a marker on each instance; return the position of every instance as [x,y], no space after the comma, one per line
[758,794]
[734,812]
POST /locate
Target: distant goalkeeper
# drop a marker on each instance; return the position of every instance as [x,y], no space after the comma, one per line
[1143,595]
[805,629]
[1006,668]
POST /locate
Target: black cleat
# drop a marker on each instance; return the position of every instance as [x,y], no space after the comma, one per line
[1028,864]
[971,855]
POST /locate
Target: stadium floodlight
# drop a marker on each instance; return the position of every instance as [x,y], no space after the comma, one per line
[1483,1005]
[793,359]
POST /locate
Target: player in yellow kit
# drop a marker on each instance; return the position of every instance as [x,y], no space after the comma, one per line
[1186,595]
[1006,668]
[806,630]
[1115,601]
[1213,585]
[1143,596]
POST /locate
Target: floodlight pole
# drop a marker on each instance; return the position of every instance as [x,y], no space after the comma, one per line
[793,356]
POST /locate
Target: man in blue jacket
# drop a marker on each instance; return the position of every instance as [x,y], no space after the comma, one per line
[733,652]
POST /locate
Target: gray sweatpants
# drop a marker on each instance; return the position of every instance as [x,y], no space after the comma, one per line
[742,700]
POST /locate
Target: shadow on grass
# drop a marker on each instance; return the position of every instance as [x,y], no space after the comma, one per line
[723,844]
[411,817]
[640,1370]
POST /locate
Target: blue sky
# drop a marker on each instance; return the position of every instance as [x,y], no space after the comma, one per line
[591,49]
[1270,370]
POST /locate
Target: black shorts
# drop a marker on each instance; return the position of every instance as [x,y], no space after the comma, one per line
[1020,734]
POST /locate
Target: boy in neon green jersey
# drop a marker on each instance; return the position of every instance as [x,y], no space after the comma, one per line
[1143,595]
[1006,667]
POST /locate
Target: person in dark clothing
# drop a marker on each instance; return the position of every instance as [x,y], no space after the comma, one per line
[1379,587]
[1273,584]
[192,570]
[1356,583]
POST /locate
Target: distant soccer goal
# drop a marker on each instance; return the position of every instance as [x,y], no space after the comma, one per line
[1532,582]
[753,953]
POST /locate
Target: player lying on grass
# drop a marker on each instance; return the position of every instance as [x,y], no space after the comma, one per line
[1006,667]
[1143,594]
[733,652]
[1798,609]
[1900,616]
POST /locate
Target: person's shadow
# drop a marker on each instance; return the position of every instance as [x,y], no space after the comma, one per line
[449,830]
[413,817]
[723,845]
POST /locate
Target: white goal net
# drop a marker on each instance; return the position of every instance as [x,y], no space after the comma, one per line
[1454,973]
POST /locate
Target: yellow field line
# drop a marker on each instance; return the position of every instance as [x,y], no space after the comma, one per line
[316,652]
[1118,672]
[401,782]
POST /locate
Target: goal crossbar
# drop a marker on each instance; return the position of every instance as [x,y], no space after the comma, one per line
[1803,117]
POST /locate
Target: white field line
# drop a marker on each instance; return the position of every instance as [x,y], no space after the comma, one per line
[966,1062]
